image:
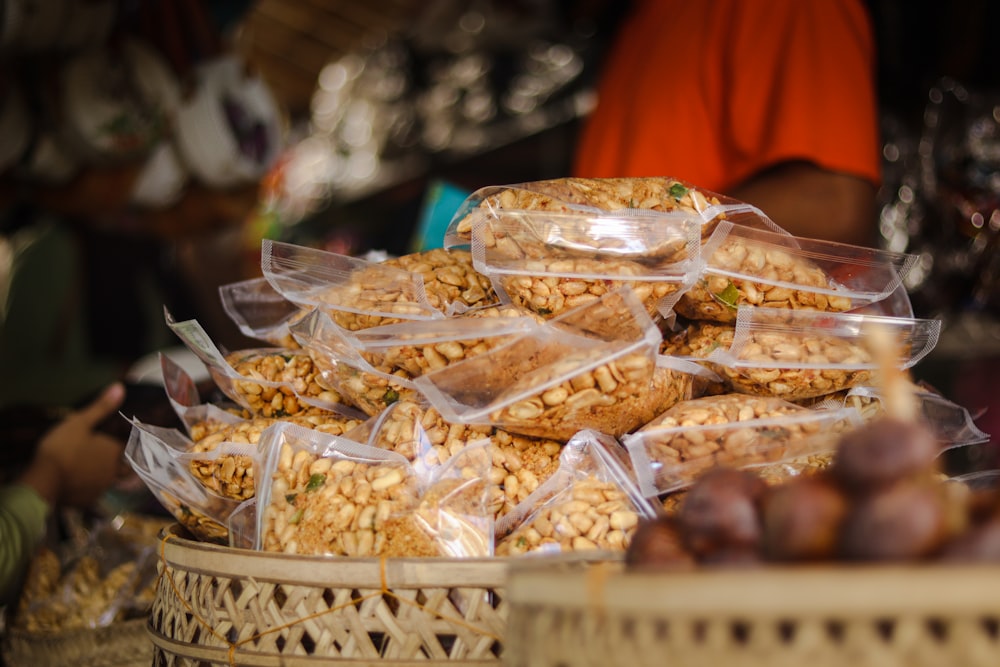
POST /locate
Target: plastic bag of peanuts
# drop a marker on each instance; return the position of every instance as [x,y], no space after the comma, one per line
[358,293]
[592,367]
[798,354]
[343,368]
[759,267]
[419,346]
[332,496]
[269,382]
[590,504]
[734,430]
[594,197]
[260,312]
[419,432]
[551,262]
[155,454]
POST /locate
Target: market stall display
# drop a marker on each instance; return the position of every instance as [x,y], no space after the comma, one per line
[485,427]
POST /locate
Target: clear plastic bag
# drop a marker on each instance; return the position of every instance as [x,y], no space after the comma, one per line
[333,496]
[260,312]
[798,354]
[595,196]
[589,368]
[358,294]
[155,454]
[343,368]
[419,346]
[269,382]
[733,430]
[590,504]
[758,267]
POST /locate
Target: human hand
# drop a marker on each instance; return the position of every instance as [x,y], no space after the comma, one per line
[74,463]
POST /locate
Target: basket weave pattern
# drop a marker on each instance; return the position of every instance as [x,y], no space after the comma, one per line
[230,606]
[860,617]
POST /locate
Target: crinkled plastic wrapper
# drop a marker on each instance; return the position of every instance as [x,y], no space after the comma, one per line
[756,267]
[590,504]
[733,430]
[592,367]
[358,293]
[801,354]
[336,497]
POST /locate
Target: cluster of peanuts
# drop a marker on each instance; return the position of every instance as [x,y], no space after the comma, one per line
[716,296]
[416,359]
[519,463]
[449,277]
[549,287]
[684,448]
[784,349]
[274,384]
[231,475]
[608,194]
[606,398]
[371,299]
[369,392]
[787,348]
[52,602]
[588,515]
[327,506]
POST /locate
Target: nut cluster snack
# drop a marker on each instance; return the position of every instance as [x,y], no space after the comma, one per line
[370,299]
[272,384]
[549,287]
[589,515]
[232,475]
[519,463]
[608,194]
[716,296]
[449,277]
[321,505]
[683,448]
[607,398]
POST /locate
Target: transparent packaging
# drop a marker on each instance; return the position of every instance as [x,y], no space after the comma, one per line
[597,197]
[592,367]
[672,451]
[155,454]
[416,347]
[259,311]
[589,504]
[269,382]
[799,354]
[759,267]
[345,370]
[333,496]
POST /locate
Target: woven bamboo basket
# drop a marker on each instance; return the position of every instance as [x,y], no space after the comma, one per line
[122,644]
[220,606]
[889,616]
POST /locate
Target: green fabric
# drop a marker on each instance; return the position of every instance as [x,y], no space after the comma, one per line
[22,527]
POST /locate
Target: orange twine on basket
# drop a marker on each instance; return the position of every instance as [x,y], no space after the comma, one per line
[596,580]
[385,590]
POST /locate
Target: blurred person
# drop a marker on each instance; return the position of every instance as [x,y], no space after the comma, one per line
[73,465]
[773,102]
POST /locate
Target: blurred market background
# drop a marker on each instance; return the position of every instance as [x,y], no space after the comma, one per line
[357,127]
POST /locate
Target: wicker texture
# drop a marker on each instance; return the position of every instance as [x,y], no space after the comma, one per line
[824,616]
[216,605]
[123,644]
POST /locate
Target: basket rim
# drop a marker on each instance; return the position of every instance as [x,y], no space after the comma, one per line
[179,552]
[871,589]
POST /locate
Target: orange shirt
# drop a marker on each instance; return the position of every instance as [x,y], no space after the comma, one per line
[711,91]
